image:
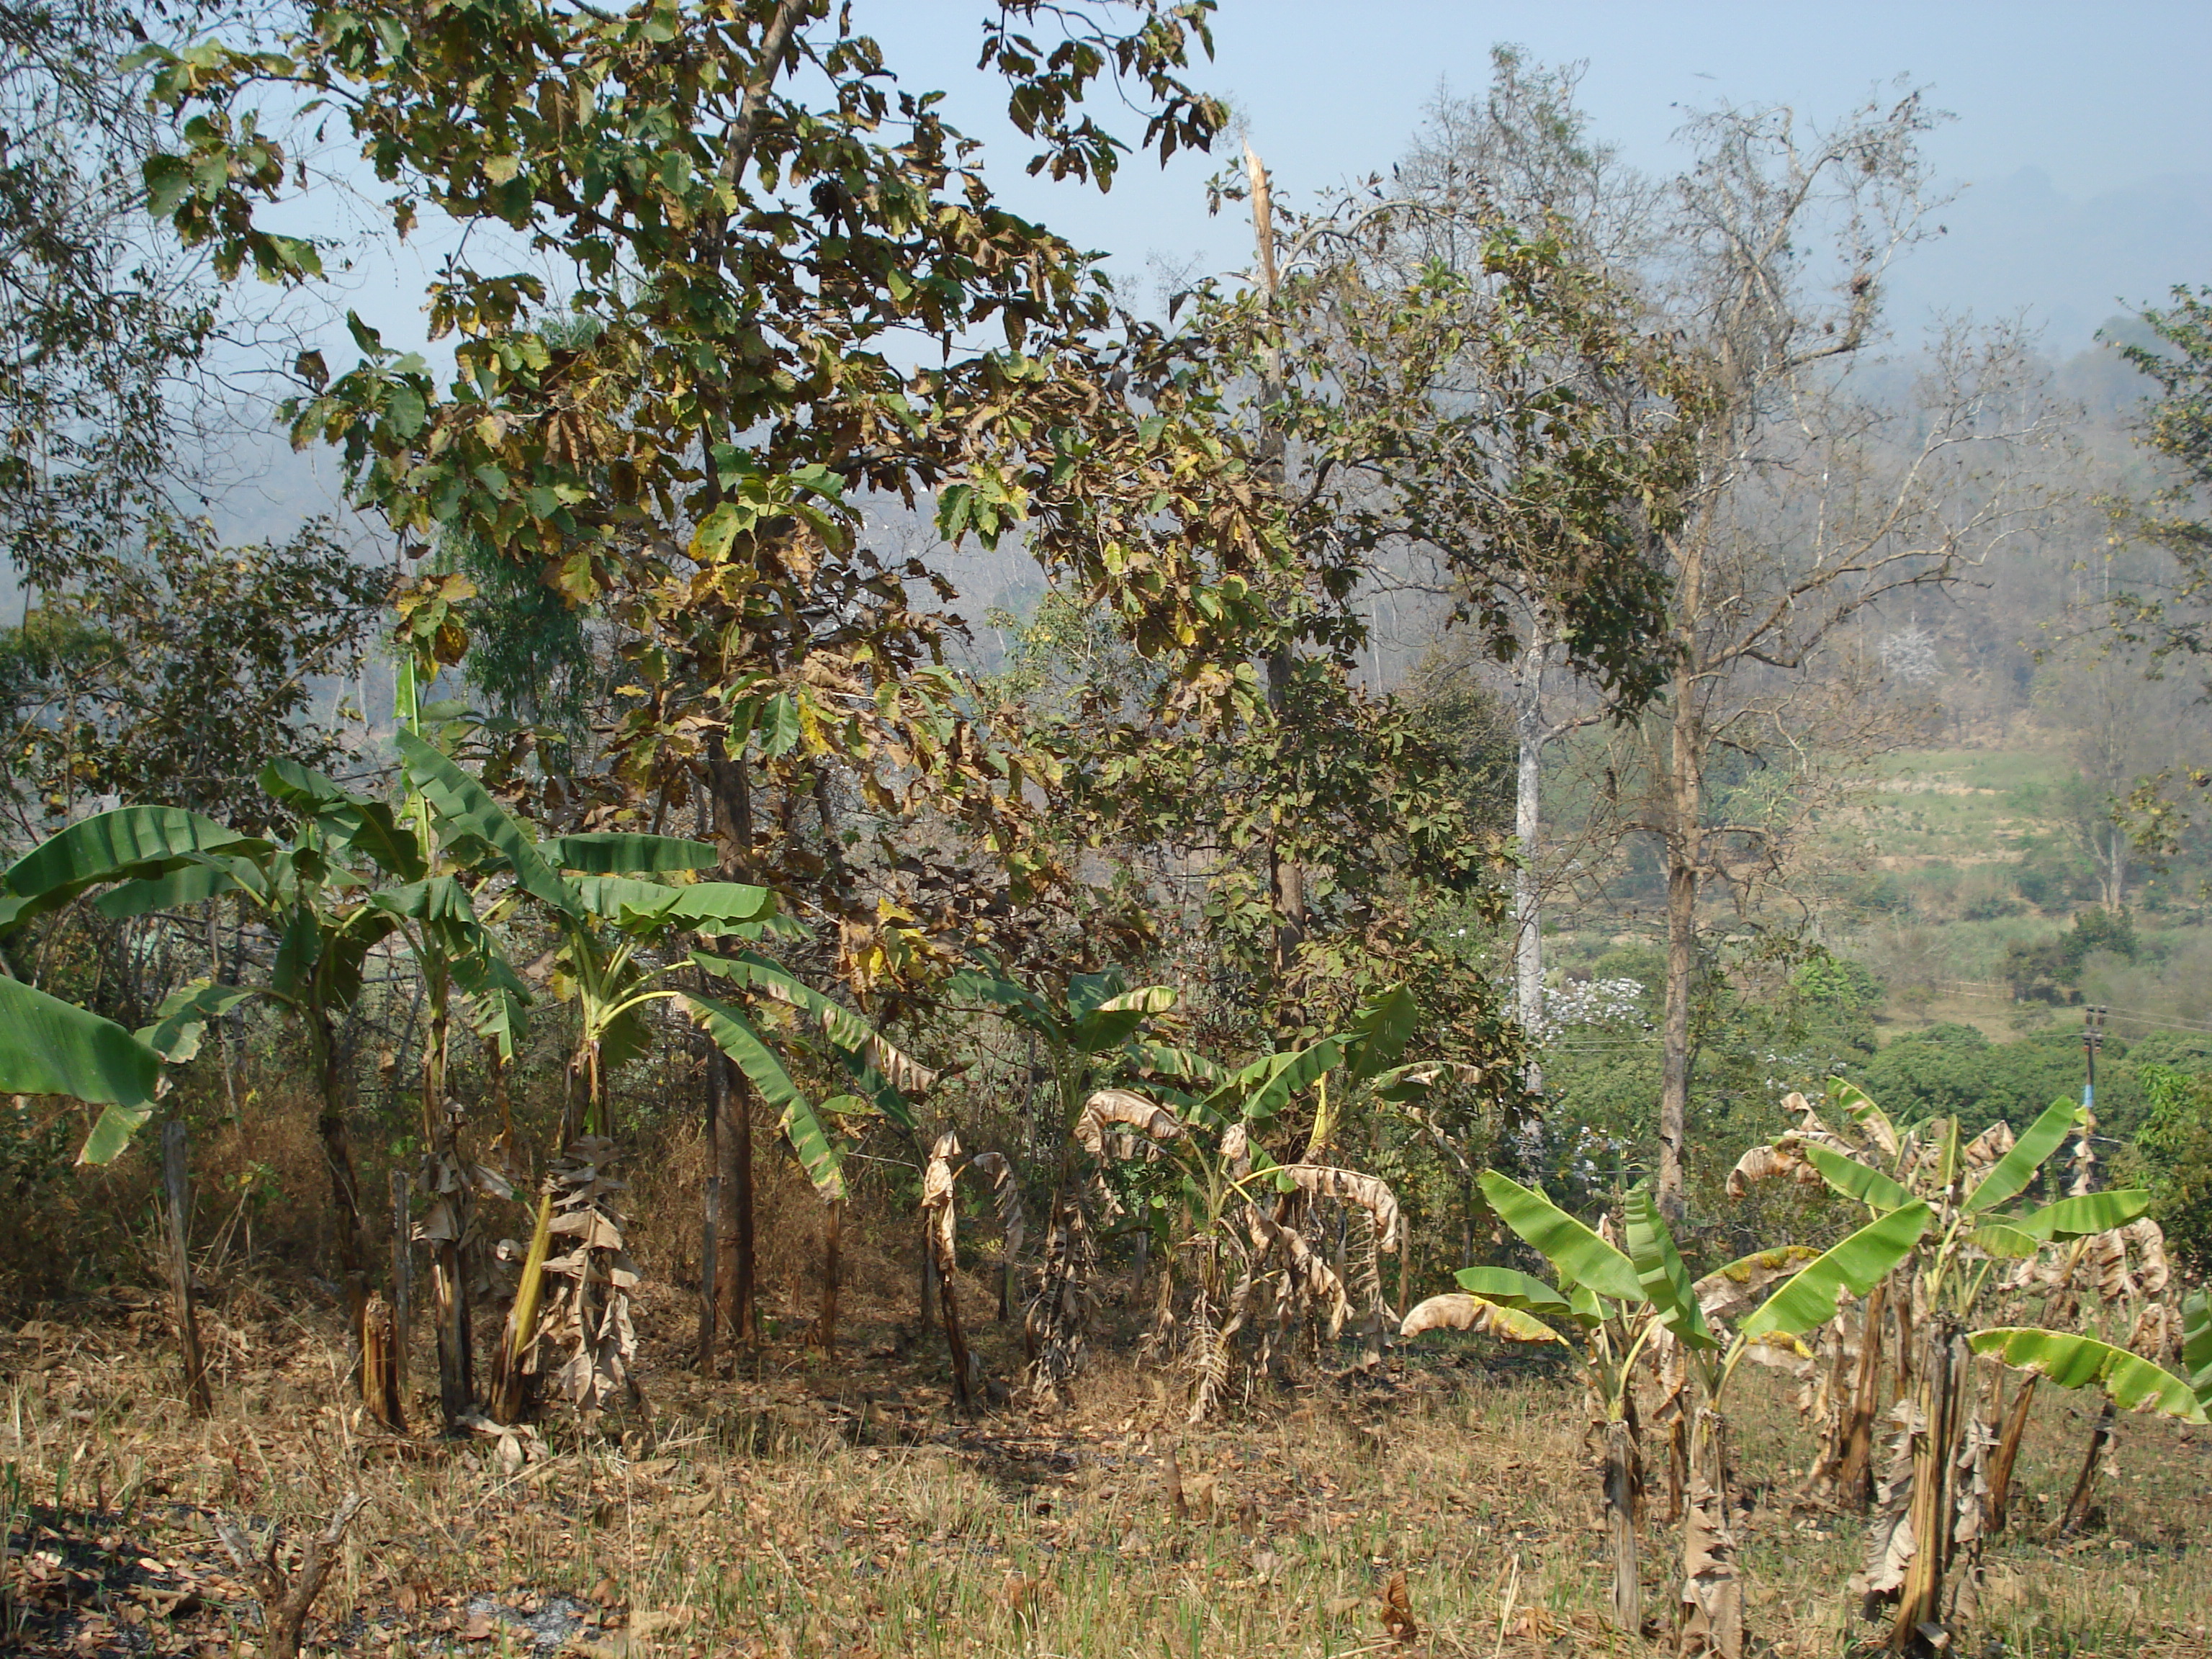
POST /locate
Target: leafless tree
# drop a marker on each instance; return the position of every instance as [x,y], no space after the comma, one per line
[1819,493]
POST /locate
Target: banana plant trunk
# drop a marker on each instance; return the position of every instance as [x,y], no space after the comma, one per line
[2008,1452]
[1854,1479]
[1620,1492]
[509,1395]
[1942,1376]
[1712,1588]
[446,1226]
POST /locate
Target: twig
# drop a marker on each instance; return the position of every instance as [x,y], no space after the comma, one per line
[286,1597]
[1512,1588]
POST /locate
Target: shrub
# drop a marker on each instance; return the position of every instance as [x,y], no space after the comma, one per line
[2175,1144]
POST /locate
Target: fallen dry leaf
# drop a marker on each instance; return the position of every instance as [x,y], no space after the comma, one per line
[1398,1610]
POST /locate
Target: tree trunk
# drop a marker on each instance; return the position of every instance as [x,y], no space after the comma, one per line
[1528,829]
[1674,1034]
[380,1366]
[833,1227]
[708,1251]
[1682,840]
[345,1193]
[1286,888]
[177,1191]
[736,1265]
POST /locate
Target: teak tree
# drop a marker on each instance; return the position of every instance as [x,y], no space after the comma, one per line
[687,438]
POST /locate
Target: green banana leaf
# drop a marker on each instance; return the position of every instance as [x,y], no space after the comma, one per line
[2010,1175]
[370,826]
[1164,1060]
[988,984]
[2002,1239]
[1659,1268]
[736,1036]
[1259,1091]
[704,907]
[1808,1299]
[848,1033]
[2196,1345]
[1854,1179]
[181,1020]
[2081,1216]
[49,1047]
[190,884]
[1576,1252]
[1086,992]
[105,846]
[2081,1362]
[610,854]
[1112,1023]
[1380,1032]
[298,949]
[497,1000]
[873,1083]
[464,803]
[1509,1289]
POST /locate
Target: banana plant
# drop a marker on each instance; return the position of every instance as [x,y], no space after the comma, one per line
[1626,1301]
[1088,1039]
[154,859]
[48,1046]
[1232,1219]
[619,931]
[1922,1559]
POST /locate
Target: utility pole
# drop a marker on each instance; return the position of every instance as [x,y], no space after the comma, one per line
[2092,1038]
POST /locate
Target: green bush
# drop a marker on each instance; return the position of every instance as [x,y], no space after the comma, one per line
[2176,1146]
[1949,1069]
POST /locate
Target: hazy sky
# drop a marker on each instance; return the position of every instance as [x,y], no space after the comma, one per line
[2105,100]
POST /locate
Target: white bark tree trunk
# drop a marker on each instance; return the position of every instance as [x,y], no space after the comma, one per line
[1532,734]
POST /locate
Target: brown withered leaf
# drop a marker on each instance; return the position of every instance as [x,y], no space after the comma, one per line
[1370,1193]
[1120,1106]
[1457,1312]
[1398,1611]
[1778,1162]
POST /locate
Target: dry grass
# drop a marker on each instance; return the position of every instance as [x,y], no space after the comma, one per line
[819,1505]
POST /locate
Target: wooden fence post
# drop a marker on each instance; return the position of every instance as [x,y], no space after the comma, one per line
[179,1193]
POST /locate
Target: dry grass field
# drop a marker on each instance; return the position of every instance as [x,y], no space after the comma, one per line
[826,1505]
